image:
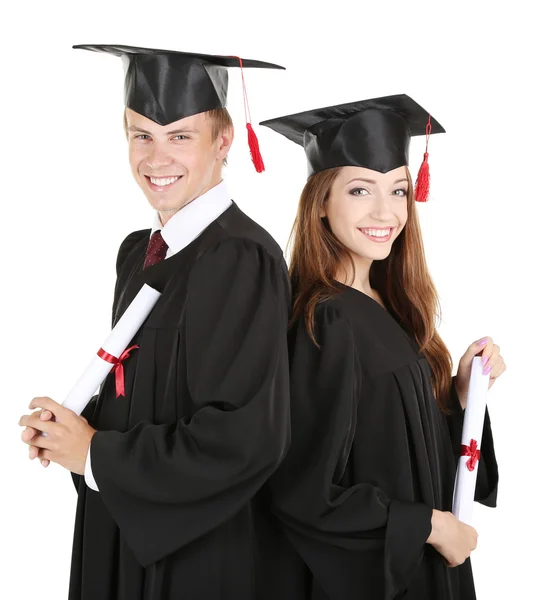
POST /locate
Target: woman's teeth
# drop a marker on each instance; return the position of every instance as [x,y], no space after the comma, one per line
[377,232]
[379,236]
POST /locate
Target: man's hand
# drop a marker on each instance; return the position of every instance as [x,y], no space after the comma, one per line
[68,437]
[29,433]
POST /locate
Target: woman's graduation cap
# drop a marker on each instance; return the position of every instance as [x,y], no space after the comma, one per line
[374,134]
[166,85]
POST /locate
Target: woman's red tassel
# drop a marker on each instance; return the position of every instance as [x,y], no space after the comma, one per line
[421,190]
[423,181]
[253,143]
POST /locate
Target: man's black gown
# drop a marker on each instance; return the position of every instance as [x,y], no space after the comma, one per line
[182,459]
[371,455]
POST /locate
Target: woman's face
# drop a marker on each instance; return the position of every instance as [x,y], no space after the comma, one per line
[367,210]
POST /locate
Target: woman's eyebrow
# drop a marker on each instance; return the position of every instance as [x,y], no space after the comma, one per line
[362,179]
[372,181]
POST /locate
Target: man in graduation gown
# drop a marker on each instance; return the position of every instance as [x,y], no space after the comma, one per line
[170,476]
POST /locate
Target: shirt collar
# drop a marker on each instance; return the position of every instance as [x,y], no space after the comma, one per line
[188,223]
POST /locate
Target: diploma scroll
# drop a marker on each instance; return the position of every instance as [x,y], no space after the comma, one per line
[112,349]
[472,432]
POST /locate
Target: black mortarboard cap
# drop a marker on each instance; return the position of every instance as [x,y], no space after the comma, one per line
[166,85]
[374,133]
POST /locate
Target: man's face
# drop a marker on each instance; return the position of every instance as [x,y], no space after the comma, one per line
[176,163]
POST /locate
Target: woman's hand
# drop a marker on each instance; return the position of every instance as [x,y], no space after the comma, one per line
[452,538]
[493,363]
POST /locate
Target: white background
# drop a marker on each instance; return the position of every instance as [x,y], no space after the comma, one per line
[68,200]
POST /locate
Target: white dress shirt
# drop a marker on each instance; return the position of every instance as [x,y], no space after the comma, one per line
[182,229]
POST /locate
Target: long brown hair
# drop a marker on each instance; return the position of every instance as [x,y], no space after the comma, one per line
[402,279]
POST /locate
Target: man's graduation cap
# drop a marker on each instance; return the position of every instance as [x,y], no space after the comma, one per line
[166,85]
[374,134]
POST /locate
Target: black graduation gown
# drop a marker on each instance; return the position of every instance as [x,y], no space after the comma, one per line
[371,455]
[182,459]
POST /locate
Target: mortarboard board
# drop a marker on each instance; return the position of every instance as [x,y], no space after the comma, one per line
[374,134]
[167,85]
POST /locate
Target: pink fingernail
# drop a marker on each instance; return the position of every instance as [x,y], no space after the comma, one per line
[484,360]
[487,370]
[483,342]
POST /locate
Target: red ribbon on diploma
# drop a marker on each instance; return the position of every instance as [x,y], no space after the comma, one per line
[118,367]
[472,452]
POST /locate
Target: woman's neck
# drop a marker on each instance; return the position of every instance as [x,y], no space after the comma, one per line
[362,268]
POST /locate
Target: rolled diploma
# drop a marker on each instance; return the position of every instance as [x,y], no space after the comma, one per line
[472,429]
[118,340]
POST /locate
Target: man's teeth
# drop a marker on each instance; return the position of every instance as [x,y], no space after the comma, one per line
[377,232]
[163,182]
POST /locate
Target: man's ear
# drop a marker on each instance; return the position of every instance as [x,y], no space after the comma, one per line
[225,139]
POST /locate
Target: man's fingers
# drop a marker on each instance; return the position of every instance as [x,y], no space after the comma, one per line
[41,441]
[47,403]
[46,415]
[40,454]
[44,456]
[28,434]
[35,422]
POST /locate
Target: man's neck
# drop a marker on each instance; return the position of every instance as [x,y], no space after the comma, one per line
[165,216]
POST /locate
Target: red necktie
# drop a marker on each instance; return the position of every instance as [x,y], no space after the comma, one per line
[156,250]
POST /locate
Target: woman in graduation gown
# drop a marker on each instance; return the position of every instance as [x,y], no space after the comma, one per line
[366,488]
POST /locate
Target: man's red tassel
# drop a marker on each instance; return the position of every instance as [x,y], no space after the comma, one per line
[421,190]
[253,143]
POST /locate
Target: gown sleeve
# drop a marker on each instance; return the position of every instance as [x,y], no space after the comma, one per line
[310,495]
[487,474]
[166,485]
[87,413]
[126,246]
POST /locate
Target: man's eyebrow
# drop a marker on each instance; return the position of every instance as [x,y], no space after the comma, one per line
[174,132]
[134,128]
[183,130]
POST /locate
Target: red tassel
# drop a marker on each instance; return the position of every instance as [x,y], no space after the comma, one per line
[253,143]
[421,191]
[423,181]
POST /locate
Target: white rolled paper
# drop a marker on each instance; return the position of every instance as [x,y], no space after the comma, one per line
[118,340]
[474,418]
